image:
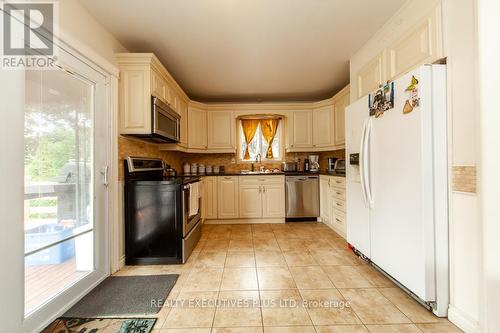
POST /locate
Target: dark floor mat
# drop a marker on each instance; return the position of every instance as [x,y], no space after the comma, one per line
[125,295]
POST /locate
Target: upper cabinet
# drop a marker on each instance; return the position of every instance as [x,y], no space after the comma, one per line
[320,128]
[300,129]
[142,76]
[421,44]
[182,109]
[372,75]
[221,130]
[341,101]
[323,126]
[197,127]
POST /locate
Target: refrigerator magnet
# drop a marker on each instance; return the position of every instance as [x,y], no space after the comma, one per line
[413,101]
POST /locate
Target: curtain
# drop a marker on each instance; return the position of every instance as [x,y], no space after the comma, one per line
[249,127]
[269,128]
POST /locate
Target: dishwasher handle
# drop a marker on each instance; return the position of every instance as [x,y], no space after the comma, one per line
[301,178]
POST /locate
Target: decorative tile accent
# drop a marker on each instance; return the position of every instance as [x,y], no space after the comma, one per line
[135,147]
[464,178]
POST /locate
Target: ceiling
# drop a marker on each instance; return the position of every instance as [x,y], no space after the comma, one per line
[248,50]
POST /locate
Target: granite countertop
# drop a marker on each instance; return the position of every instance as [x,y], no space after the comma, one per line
[298,173]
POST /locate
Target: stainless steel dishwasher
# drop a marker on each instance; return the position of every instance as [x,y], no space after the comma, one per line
[302,197]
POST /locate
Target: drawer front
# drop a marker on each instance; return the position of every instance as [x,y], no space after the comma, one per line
[260,180]
[338,182]
[338,193]
[339,218]
[339,205]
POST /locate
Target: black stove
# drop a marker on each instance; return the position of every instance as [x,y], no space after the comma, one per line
[160,226]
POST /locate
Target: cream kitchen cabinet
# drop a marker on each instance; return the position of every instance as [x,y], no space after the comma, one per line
[341,101]
[324,198]
[197,127]
[142,76]
[332,203]
[323,126]
[301,129]
[420,45]
[209,198]
[160,87]
[227,195]
[372,75]
[182,109]
[262,196]
[250,201]
[221,130]
[273,201]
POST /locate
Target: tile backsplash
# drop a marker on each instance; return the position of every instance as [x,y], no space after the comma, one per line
[128,146]
[226,160]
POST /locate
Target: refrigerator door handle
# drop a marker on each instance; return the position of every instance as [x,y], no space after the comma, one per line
[367,163]
[361,163]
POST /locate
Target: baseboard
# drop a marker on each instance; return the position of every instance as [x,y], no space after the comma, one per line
[340,232]
[245,221]
[462,320]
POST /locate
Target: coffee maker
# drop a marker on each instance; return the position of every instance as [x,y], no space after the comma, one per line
[314,160]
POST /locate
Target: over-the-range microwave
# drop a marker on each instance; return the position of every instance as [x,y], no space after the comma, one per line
[165,123]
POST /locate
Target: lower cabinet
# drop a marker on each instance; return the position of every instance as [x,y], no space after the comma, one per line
[209,198]
[332,203]
[243,197]
[262,197]
[250,201]
[227,188]
[273,201]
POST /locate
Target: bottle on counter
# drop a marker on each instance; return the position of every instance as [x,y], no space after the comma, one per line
[306,165]
[300,167]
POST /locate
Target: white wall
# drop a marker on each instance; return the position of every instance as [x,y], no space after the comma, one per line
[460,45]
[489,71]
[76,24]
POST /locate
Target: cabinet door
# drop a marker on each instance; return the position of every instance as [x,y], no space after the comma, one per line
[339,110]
[273,201]
[325,206]
[323,126]
[417,47]
[135,101]
[159,86]
[182,109]
[221,126]
[371,76]
[197,128]
[209,200]
[227,195]
[250,201]
[301,134]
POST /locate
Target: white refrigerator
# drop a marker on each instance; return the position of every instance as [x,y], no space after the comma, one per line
[397,188]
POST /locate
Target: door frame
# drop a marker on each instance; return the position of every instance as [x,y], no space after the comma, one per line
[12,285]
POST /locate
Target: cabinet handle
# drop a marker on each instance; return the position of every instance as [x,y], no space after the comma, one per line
[340,205]
[264,189]
[260,189]
[338,220]
[227,178]
[338,193]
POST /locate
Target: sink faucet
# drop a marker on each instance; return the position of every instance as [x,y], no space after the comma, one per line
[258,159]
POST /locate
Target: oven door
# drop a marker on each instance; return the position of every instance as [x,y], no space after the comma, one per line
[166,122]
[189,222]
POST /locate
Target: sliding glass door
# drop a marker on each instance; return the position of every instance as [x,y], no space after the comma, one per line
[65,199]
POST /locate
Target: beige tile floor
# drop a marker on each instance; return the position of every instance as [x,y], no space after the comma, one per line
[296,277]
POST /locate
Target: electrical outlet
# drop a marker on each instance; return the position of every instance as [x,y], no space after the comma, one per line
[233,160]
